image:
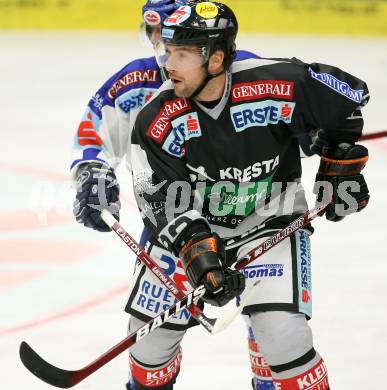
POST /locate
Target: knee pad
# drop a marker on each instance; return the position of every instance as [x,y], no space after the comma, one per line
[282,336]
[160,377]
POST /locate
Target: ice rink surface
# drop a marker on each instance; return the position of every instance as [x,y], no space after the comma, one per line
[63,287]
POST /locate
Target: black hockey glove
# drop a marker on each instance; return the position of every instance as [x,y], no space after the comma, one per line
[320,141]
[203,260]
[97,189]
[339,178]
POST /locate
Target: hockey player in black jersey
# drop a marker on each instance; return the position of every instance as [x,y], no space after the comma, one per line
[216,168]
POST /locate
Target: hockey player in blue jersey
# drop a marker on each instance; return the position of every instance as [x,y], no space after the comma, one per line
[103,136]
[101,142]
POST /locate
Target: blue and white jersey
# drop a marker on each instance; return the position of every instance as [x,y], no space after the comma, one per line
[104,133]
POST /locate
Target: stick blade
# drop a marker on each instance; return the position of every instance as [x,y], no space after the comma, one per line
[43,370]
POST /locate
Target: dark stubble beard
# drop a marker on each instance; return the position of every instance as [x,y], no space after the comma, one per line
[189,90]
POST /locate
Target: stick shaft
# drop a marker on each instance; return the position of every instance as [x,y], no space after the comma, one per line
[140,333]
[63,378]
[272,241]
[375,135]
[156,270]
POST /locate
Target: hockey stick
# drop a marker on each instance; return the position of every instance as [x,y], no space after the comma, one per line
[212,325]
[376,134]
[275,239]
[65,378]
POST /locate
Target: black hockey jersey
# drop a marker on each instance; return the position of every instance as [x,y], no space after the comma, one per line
[237,165]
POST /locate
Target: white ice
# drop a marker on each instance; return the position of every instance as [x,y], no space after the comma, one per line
[46,80]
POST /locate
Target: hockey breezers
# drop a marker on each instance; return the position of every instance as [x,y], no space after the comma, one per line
[68,378]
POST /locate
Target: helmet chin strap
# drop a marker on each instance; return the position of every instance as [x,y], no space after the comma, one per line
[206,80]
[164,74]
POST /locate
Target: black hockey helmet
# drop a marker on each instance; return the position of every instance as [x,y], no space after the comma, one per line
[209,25]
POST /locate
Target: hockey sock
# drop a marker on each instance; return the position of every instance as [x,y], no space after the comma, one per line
[306,373]
[261,370]
[161,377]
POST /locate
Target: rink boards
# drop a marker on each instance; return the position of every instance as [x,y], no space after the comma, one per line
[324,17]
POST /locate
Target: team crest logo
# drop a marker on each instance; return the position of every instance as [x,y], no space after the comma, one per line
[152,18]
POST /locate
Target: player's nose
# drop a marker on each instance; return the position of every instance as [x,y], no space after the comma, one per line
[169,65]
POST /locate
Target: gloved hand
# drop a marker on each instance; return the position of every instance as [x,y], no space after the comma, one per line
[203,260]
[320,141]
[340,166]
[97,189]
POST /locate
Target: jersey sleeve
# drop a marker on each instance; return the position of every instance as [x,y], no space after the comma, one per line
[161,181]
[332,100]
[103,134]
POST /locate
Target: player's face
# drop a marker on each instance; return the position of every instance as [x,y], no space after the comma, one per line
[153,33]
[185,67]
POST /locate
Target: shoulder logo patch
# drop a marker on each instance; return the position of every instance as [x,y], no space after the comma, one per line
[162,123]
[339,86]
[183,129]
